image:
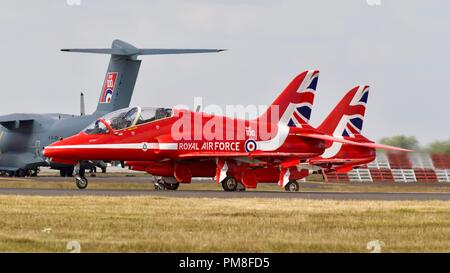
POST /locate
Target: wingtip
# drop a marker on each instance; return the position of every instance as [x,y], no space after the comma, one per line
[395,149]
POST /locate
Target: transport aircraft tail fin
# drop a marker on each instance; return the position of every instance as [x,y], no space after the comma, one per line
[123,70]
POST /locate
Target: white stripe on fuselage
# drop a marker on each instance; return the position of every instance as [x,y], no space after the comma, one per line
[268,145]
[168,146]
[108,146]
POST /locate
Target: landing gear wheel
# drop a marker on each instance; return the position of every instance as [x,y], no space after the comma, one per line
[229,184]
[21,173]
[240,187]
[80,178]
[292,186]
[34,173]
[81,182]
[159,184]
[171,186]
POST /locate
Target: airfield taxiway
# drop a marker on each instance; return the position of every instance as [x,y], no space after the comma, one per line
[220,194]
[306,192]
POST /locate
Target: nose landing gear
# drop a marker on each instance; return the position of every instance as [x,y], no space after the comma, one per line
[80,178]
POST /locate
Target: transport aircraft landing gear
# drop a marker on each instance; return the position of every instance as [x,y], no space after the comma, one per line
[80,178]
[229,184]
[21,173]
[166,183]
[34,172]
[292,186]
[67,171]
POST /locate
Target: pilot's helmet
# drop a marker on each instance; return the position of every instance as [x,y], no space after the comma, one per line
[160,113]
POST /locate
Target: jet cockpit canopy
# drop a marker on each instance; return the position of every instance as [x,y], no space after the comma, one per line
[126,118]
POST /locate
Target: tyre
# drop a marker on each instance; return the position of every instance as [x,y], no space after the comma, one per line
[34,173]
[160,185]
[81,182]
[240,187]
[172,186]
[21,173]
[292,186]
[229,184]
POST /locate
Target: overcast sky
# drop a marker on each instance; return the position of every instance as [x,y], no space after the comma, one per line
[400,48]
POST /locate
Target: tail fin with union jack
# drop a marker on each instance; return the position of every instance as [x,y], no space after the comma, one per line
[293,106]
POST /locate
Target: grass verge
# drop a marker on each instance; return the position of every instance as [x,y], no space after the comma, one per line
[159,224]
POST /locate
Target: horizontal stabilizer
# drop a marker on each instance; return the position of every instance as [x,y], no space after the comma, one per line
[346,141]
[122,48]
[144,51]
[382,146]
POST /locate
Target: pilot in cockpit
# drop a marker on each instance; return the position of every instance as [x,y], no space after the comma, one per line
[127,118]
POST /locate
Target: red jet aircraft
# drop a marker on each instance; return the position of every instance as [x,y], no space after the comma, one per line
[345,120]
[181,144]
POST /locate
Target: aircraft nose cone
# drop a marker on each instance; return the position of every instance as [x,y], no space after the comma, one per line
[52,150]
[48,152]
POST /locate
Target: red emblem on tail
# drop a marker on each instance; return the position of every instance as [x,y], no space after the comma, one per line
[108,87]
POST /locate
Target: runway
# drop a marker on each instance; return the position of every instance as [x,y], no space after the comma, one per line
[141,186]
[221,194]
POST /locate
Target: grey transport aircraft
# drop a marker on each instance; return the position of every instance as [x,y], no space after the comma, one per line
[23,136]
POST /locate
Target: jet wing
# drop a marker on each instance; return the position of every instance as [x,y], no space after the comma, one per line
[336,160]
[329,161]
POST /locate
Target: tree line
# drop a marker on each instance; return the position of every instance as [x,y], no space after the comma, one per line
[411,142]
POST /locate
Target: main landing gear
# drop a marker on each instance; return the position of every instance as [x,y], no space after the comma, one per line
[166,183]
[21,173]
[66,171]
[231,184]
[80,178]
[292,186]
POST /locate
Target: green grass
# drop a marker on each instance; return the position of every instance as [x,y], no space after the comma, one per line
[159,224]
